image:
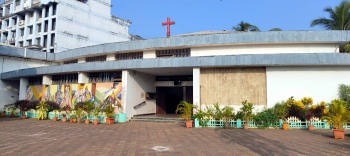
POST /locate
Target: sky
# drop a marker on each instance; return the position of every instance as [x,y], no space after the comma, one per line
[201,15]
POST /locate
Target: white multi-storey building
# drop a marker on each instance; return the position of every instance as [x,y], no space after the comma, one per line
[58,25]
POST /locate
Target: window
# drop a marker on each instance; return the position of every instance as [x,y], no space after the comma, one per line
[96,58]
[83,1]
[129,56]
[61,79]
[46,25]
[52,40]
[47,11]
[18,2]
[14,21]
[53,24]
[45,41]
[71,61]
[104,76]
[29,42]
[22,32]
[39,28]
[30,30]
[174,53]
[54,9]
[40,14]
[35,80]
[20,44]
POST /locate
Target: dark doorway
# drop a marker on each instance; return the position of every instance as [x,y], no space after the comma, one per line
[169,97]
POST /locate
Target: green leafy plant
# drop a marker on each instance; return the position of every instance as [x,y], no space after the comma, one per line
[217,112]
[202,117]
[88,107]
[41,110]
[266,118]
[227,113]
[56,112]
[185,109]
[281,110]
[13,111]
[344,94]
[247,111]
[79,112]
[97,111]
[338,115]
[109,109]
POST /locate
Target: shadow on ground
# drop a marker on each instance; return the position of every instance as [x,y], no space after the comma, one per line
[256,143]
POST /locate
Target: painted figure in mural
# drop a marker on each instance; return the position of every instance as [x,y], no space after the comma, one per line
[58,95]
[29,94]
[47,94]
[67,95]
[87,94]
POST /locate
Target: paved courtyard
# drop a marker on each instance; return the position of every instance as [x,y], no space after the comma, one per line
[33,137]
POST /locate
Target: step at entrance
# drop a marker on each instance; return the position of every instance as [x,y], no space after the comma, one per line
[158,119]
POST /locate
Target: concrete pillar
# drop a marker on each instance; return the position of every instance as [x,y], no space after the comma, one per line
[83,78]
[35,27]
[125,75]
[149,54]
[21,5]
[49,29]
[42,27]
[11,9]
[23,83]
[81,60]
[111,57]
[26,30]
[30,2]
[47,80]
[196,88]
[14,6]
[18,33]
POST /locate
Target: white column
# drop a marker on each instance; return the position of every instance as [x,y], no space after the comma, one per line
[111,57]
[49,29]
[47,80]
[26,30]
[11,9]
[35,27]
[83,78]
[196,88]
[18,33]
[125,75]
[42,27]
[23,83]
[21,5]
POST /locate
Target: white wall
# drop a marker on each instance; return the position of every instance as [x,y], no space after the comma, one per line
[9,90]
[264,49]
[320,83]
[135,84]
[149,54]
[81,25]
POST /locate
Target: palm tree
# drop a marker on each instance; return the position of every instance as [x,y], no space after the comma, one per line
[339,17]
[245,26]
[339,20]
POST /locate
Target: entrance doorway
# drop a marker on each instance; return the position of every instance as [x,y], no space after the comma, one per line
[169,97]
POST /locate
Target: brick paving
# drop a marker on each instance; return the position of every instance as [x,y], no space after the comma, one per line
[33,137]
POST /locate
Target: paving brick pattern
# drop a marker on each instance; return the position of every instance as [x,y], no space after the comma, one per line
[33,137]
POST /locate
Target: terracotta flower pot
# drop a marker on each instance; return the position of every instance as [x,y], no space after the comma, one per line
[2,114]
[339,133]
[64,119]
[109,121]
[55,118]
[79,120]
[285,126]
[189,123]
[74,120]
[71,120]
[311,127]
[245,126]
[23,116]
[87,121]
[96,122]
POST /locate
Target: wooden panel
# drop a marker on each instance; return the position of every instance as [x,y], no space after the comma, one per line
[233,85]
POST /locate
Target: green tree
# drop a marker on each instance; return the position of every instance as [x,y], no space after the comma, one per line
[245,26]
[339,19]
[275,29]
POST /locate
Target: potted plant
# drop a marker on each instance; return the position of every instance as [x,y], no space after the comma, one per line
[2,113]
[73,118]
[13,111]
[23,106]
[227,113]
[186,109]
[88,107]
[281,111]
[109,110]
[96,114]
[79,113]
[64,116]
[247,113]
[337,117]
[56,112]
[41,110]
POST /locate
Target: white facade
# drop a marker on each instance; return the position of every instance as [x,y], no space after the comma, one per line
[265,48]
[60,25]
[10,90]
[320,83]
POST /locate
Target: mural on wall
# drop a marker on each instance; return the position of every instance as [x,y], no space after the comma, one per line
[70,94]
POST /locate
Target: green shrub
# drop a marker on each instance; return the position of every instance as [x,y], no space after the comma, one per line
[266,118]
[344,94]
